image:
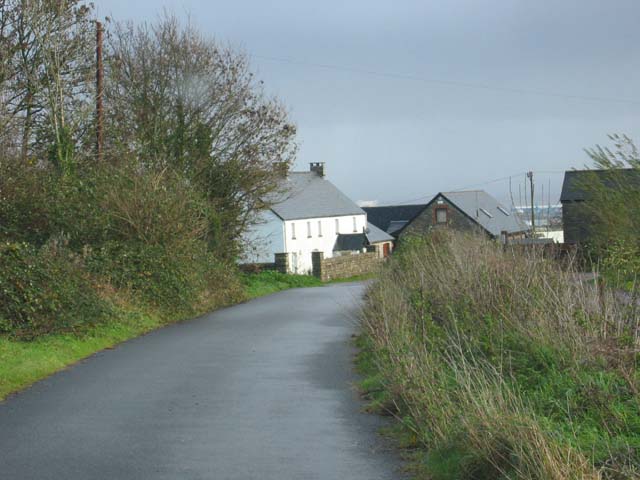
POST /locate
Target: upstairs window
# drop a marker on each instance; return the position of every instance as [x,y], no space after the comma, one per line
[355,228]
[442,215]
[319,228]
[337,225]
[308,229]
[293,231]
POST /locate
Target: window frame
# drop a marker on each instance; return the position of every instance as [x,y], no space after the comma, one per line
[309,229]
[441,208]
[293,231]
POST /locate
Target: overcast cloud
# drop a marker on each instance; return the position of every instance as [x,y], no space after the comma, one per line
[391,138]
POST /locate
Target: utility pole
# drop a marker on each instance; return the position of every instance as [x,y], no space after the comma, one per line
[99,92]
[533,217]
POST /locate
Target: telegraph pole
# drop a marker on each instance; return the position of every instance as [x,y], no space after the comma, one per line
[99,92]
[533,218]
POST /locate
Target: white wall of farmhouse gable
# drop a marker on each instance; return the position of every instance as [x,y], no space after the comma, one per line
[316,235]
[264,239]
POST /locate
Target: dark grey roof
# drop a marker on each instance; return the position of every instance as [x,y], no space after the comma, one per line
[396,225]
[391,218]
[309,195]
[485,210]
[375,235]
[349,242]
[575,187]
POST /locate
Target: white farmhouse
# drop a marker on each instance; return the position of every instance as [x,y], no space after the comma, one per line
[307,216]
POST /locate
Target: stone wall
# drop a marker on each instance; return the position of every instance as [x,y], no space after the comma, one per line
[426,221]
[344,266]
[282,262]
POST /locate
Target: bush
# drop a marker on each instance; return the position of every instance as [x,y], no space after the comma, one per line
[25,209]
[168,278]
[148,233]
[45,290]
[506,363]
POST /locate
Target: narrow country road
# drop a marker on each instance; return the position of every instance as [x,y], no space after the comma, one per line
[261,390]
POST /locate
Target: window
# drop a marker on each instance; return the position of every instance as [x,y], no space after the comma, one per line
[503,210]
[293,231]
[337,225]
[319,228]
[355,229]
[442,215]
[308,229]
[486,213]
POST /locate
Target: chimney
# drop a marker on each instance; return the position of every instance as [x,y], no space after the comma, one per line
[317,167]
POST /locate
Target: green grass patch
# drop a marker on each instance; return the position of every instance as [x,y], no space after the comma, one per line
[25,362]
[267,282]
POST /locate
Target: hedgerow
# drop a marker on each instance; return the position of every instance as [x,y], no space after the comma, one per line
[73,242]
[45,290]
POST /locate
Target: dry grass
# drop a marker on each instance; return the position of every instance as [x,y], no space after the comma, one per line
[477,346]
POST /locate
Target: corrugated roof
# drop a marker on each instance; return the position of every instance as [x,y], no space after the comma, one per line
[391,218]
[575,184]
[375,235]
[485,210]
[308,195]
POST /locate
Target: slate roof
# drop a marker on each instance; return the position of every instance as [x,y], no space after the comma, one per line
[392,218]
[375,235]
[349,241]
[309,195]
[574,186]
[485,210]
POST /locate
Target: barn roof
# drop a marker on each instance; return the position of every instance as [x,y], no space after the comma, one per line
[349,242]
[575,187]
[375,235]
[392,218]
[484,210]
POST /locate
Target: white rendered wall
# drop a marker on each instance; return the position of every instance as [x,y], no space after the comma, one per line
[264,239]
[300,247]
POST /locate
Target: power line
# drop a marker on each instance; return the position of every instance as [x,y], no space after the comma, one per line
[450,83]
[482,184]
[488,182]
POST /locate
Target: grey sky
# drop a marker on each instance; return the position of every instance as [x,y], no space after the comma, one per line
[394,139]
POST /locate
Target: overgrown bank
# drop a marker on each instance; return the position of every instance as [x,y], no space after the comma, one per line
[503,365]
[102,242]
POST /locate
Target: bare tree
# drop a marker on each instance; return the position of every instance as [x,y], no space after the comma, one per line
[176,99]
[45,78]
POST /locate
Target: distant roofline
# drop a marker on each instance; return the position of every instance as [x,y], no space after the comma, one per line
[319,216]
[397,205]
[575,170]
[465,191]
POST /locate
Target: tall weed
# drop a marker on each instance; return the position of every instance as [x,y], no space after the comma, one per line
[507,362]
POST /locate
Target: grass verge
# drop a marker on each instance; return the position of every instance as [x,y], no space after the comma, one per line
[24,362]
[502,364]
[268,282]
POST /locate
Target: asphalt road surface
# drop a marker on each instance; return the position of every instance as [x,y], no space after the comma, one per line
[262,390]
